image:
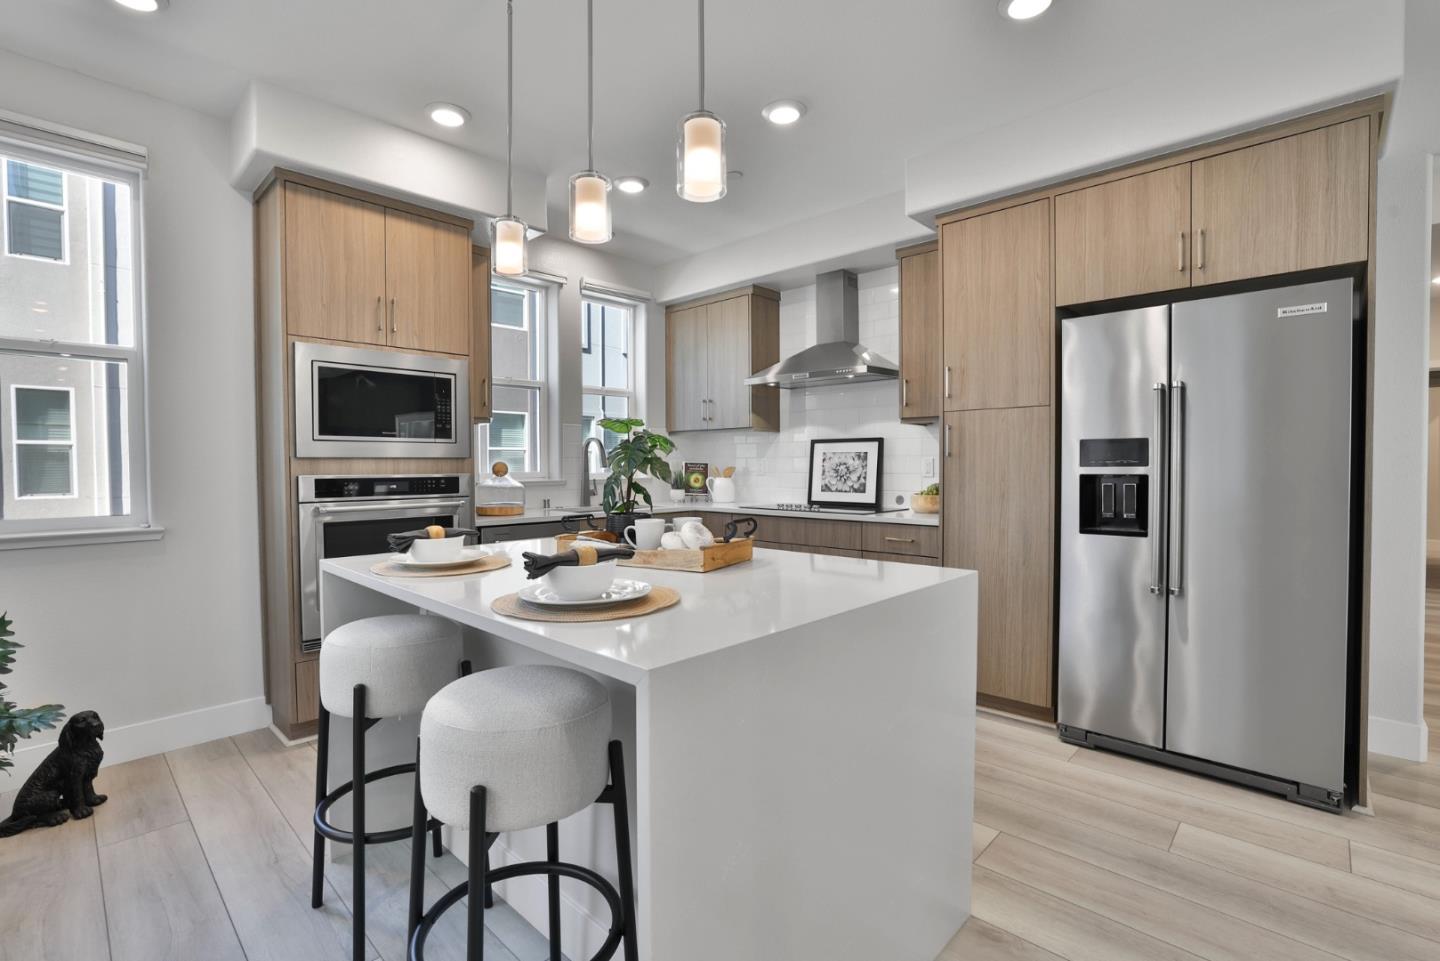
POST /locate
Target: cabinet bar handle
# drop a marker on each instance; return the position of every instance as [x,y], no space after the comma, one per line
[393,327]
[900,540]
[1200,254]
[1180,253]
[947,440]
[380,310]
[947,381]
[905,392]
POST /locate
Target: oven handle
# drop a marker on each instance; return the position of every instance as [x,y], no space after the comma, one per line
[408,507]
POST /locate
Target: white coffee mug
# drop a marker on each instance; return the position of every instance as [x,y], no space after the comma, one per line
[644,535]
[678,523]
[722,489]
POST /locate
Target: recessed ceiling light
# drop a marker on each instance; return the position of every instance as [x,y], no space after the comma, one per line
[782,113]
[144,6]
[447,114]
[631,184]
[1023,9]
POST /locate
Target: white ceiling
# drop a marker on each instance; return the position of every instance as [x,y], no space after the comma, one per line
[884,80]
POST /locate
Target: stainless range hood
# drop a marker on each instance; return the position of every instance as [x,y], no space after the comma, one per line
[839,357]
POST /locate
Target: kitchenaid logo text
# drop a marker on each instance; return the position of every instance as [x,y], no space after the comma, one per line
[1299,309]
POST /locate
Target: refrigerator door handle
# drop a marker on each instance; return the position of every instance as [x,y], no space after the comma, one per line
[1157,540]
[1177,481]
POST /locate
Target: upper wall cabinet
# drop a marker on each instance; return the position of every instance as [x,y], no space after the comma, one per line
[920,333]
[998,325]
[480,334]
[711,347]
[1124,237]
[365,273]
[1291,204]
[334,266]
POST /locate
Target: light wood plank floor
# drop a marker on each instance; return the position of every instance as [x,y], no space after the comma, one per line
[1079,855]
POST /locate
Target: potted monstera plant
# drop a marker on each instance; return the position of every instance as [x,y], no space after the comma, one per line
[638,453]
[15,721]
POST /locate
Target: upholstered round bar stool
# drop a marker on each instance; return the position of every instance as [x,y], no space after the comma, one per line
[371,669]
[509,749]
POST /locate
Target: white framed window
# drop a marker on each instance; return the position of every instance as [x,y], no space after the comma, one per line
[43,428]
[35,212]
[607,364]
[73,464]
[520,392]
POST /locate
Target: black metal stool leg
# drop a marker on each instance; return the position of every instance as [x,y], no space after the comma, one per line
[552,854]
[357,828]
[417,856]
[322,786]
[620,800]
[479,869]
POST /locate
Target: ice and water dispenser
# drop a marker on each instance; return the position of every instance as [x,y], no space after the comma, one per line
[1117,503]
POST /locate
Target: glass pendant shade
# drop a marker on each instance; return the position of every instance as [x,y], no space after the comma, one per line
[590,208]
[700,158]
[507,247]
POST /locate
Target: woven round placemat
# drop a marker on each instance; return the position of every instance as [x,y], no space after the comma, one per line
[658,599]
[492,562]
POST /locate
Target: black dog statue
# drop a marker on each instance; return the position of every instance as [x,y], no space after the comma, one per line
[62,786]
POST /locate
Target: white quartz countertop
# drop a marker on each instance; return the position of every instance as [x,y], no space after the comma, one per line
[893,517]
[775,592]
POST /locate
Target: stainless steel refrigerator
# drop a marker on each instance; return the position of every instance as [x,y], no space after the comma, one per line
[1208,544]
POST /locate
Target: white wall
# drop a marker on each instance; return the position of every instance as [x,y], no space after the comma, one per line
[775,467]
[1402,321]
[143,632]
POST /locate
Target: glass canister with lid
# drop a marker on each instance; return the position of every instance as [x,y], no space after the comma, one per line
[499,495]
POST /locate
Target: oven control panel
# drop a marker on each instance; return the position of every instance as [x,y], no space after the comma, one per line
[345,488]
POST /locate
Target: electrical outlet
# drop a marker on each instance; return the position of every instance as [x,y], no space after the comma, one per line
[927,467]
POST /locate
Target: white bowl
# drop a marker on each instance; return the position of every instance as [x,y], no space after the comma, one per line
[429,550]
[581,583]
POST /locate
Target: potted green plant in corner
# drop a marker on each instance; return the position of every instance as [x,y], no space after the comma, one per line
[638,452]
[15,721]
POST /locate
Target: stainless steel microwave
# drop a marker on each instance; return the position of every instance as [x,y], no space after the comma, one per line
[353,402]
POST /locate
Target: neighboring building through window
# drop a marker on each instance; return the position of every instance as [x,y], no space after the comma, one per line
[71,357]
[44,441]
[607,330]
[519,392]
[34,211]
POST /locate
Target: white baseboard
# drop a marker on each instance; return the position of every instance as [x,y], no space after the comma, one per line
[156,736]
[1401,739]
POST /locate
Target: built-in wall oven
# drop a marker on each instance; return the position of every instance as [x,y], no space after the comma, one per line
[353,402]
[347,515]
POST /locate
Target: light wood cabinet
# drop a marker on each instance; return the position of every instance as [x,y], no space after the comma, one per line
[427,283]
[998,319]
[307,690]
[1125,237]
[1291,204]
[711,346]
[480,334]
[920,325]
[360,272]
[1001,463]
[334,266]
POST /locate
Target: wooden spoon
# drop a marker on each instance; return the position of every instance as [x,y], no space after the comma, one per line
[729,472]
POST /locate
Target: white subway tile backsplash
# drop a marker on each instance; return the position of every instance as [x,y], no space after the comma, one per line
[773,467]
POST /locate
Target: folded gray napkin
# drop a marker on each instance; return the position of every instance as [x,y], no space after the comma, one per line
[538,565]
[400,543]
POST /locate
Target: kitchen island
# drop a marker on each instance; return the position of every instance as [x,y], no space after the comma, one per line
[801,735]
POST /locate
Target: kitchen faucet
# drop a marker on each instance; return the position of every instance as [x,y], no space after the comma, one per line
[585,489]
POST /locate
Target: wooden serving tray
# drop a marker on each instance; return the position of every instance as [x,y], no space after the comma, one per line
[704,559]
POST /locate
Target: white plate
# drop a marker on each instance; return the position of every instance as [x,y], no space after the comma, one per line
[468,555]
[624,589]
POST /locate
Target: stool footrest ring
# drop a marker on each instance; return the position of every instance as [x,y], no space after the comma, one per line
[561,869]
[341,836]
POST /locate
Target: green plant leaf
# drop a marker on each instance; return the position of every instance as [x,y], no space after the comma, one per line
[17,722]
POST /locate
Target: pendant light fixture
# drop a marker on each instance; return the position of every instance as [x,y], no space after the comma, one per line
[507,237]
[589,189]
[700,154]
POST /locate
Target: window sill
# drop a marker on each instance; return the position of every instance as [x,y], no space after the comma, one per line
[79,538]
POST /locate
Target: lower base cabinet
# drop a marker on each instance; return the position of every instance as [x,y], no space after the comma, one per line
[307,690]
[900,558]
[904,543]
[997,520]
